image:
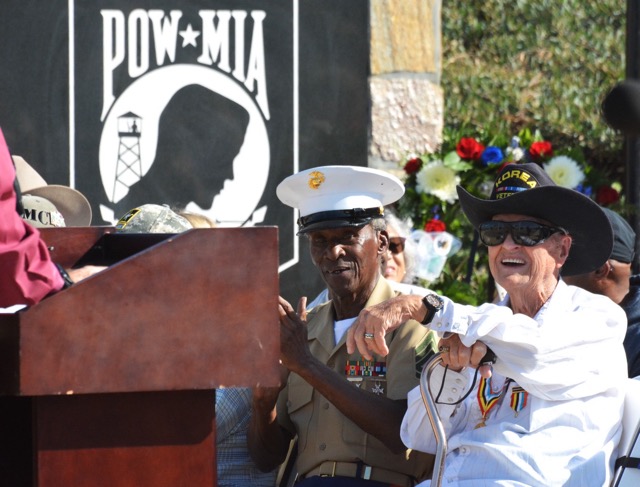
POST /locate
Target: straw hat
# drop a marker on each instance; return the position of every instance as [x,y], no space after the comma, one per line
[70,203]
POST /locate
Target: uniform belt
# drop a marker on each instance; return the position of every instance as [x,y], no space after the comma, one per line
[360,470]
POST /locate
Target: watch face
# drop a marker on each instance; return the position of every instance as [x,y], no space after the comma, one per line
[434,301]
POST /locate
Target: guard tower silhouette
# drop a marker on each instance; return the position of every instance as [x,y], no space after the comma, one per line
[129,166]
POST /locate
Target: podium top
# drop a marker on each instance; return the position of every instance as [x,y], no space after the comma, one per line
[196,310]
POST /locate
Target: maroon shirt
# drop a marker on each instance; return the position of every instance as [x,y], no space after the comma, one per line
[27,274]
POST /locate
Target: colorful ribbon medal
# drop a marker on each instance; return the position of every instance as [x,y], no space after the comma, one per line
[518,399]
[488,398]
[365,368]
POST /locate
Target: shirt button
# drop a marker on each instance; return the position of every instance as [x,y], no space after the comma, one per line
[458,381]
[325,405]
[454,389]
[323,446]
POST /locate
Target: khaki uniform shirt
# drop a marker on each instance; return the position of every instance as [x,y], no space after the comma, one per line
[324,433]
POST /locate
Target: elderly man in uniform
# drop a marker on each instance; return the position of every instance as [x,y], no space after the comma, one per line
[345,411]
[549,411]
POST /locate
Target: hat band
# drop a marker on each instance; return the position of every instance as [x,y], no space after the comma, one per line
[355,216]
[43,218]
[504,191]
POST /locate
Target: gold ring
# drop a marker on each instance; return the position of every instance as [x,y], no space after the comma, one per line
[444,349]
[369,336]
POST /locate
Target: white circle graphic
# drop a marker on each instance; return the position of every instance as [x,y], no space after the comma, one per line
[148,96]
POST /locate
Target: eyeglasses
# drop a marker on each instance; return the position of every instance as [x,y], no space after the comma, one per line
[525,233]
[396,245]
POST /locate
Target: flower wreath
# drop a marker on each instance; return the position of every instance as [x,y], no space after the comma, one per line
[431,201]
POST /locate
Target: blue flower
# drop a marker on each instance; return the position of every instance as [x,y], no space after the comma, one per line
[585,190]
[492,155]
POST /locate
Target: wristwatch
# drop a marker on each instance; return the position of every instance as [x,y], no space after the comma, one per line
[434,303]
[68,282]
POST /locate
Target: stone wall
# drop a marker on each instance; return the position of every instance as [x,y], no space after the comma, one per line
[407,105]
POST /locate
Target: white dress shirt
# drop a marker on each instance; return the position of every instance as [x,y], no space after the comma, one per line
[570,361]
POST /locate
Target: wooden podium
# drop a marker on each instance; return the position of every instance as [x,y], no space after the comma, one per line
[112,381]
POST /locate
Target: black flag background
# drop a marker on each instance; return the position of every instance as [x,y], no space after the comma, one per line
[206,105]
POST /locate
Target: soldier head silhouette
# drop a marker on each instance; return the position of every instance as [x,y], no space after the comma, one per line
[199,134]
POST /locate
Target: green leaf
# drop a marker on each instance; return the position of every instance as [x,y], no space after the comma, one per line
[451,159]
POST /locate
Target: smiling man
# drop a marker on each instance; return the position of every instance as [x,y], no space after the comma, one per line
[345,411]
[550,412]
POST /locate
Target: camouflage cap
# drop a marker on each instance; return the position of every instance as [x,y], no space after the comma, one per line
[152,219]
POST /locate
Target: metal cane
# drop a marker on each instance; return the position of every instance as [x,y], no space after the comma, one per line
[432,412]
[434,419]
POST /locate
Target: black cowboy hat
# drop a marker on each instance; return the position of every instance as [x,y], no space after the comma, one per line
[526,189]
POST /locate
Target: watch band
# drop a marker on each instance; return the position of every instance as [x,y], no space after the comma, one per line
[68,282]
[433,303]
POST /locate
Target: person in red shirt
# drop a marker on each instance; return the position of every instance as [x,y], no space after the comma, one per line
[27,274]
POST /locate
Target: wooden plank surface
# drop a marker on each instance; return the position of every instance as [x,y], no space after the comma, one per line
[194,311]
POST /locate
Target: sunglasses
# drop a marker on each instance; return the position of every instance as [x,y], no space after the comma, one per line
[525,233]
[396,244]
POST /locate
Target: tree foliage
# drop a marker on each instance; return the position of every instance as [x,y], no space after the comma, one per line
[544,64]
[513,67]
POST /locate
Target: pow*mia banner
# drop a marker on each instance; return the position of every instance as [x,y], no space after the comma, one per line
[188,113]
[205,105]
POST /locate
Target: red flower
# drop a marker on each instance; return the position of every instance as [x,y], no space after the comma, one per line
[435,225]
[469,148]
[413,165]
[606,195]
[540,150]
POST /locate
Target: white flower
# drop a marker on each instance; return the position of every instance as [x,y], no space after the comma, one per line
[564,171]
[514,153]
[437,179]
[518,154]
